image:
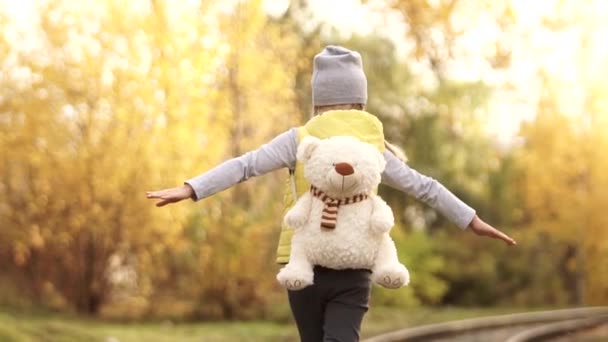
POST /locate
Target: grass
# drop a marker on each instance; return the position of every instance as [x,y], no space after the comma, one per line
[24,327]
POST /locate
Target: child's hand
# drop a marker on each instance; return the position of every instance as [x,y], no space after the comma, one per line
[481,228]
[172,195]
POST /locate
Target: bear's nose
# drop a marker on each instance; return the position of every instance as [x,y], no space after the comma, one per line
[344,169]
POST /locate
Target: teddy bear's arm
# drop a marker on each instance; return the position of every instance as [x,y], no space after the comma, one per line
[298,215]
[382,219]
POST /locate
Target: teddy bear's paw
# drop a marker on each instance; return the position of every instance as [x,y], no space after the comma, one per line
[382,224]
[294,220]
[393,277]
[295,285]
[293,280]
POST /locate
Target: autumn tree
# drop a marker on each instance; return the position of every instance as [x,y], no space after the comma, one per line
[89,126]
[231,240]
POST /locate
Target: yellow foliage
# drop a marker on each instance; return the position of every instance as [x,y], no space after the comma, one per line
[115,99]
[564,189]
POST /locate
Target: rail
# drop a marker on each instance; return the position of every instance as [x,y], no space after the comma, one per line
[468,326]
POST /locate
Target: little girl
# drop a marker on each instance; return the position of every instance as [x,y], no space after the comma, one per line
[331,309]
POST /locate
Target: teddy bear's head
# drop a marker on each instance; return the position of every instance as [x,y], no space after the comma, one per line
[341,166]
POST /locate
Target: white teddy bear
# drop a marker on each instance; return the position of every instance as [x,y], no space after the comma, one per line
[340,223]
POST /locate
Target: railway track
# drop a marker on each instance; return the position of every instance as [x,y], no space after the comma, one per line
[581,324]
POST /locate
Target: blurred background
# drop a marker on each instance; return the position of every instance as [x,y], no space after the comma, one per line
[503,102]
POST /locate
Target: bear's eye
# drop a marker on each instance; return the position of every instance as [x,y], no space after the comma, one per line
[333,164]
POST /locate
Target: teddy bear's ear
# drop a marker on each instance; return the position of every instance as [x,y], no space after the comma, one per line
[307,147]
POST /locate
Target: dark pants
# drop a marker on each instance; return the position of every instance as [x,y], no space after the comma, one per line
[332,309]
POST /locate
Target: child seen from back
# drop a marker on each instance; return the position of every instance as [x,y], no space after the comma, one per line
[331,309]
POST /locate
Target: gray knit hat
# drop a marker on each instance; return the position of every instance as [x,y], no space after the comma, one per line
[338,77]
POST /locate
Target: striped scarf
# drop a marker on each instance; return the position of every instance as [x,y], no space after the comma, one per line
[330,211]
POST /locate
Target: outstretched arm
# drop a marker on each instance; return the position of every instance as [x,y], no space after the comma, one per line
[280,152]
[400,176]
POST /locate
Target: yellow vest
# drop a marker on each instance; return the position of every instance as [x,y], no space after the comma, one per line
[362,125]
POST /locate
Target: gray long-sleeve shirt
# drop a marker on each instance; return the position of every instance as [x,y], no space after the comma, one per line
[280,152]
